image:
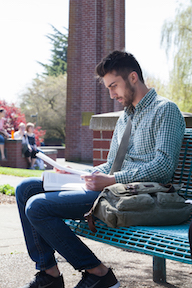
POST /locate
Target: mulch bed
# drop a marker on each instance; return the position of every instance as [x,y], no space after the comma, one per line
[6,199]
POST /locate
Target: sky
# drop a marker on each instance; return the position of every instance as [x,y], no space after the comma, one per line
[24,25]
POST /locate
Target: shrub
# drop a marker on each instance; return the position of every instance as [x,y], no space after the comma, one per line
[7,189]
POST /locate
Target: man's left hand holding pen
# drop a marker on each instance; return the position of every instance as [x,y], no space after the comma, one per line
[97,181]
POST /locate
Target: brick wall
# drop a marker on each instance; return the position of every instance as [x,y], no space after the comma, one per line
[101,144]
[14,158]
[13,155]
[96,27]
[103,126]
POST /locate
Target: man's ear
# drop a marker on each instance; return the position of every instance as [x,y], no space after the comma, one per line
[133,77]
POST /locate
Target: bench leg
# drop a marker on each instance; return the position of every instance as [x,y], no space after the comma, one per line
[159,269]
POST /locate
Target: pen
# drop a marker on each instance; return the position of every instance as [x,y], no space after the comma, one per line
[94,171]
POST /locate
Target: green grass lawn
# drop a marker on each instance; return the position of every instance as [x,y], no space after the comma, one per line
[9,190]
[20,172]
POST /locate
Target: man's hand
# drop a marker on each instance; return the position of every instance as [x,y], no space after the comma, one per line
[98,181]
[61,171]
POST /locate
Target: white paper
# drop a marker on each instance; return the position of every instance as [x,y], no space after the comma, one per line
[188,201]
[57,182]
[60,167]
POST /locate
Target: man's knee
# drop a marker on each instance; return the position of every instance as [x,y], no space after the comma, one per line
[34,208]
[27,188]
[19,190]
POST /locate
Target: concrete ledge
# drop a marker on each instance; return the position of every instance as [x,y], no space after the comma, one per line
[188,119]
[60,150]
[52,153]
[52,147]
[48,151]
[105,121]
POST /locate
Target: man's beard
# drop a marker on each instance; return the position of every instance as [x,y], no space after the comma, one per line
[129,94]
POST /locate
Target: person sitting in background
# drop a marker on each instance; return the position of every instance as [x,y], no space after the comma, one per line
[3,133]
[21,132]
[30,154]
[22,135]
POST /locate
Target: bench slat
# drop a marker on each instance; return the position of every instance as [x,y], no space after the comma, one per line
[149,240]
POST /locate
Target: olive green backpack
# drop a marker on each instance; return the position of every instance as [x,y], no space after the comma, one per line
[139,203]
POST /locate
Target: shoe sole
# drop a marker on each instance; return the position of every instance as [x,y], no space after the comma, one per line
[117,285]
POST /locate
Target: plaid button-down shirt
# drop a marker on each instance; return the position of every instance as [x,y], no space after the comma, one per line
[155,142]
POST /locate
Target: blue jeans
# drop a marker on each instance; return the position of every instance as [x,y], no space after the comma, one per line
[42,215]
[2,140]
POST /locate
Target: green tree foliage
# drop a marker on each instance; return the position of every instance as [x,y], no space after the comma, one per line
[160,87]
[47,98]
[13,116]
[58,61]
[177,38]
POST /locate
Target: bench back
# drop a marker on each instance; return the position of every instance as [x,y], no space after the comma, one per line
[183,173]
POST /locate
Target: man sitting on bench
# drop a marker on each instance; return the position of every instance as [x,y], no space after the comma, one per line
[152,155]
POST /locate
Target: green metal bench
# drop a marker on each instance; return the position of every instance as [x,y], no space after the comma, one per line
[167,242]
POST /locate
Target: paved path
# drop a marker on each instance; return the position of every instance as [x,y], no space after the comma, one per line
[134,270]
[12,180]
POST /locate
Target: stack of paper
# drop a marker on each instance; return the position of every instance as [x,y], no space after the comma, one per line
[56,182]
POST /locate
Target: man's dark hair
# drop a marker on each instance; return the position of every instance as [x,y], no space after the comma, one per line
[122,63]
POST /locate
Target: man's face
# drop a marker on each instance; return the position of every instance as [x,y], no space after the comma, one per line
[119,89]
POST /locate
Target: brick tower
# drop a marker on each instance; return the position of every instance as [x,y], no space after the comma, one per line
[96,27]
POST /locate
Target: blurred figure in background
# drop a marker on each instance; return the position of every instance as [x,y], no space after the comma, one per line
[21,134]
[30,153]
[3,133]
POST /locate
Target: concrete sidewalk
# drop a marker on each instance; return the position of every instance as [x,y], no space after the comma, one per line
[133,270]
[11,236]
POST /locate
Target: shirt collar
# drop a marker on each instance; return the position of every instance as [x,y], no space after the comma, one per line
[146,100]
[130,110]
